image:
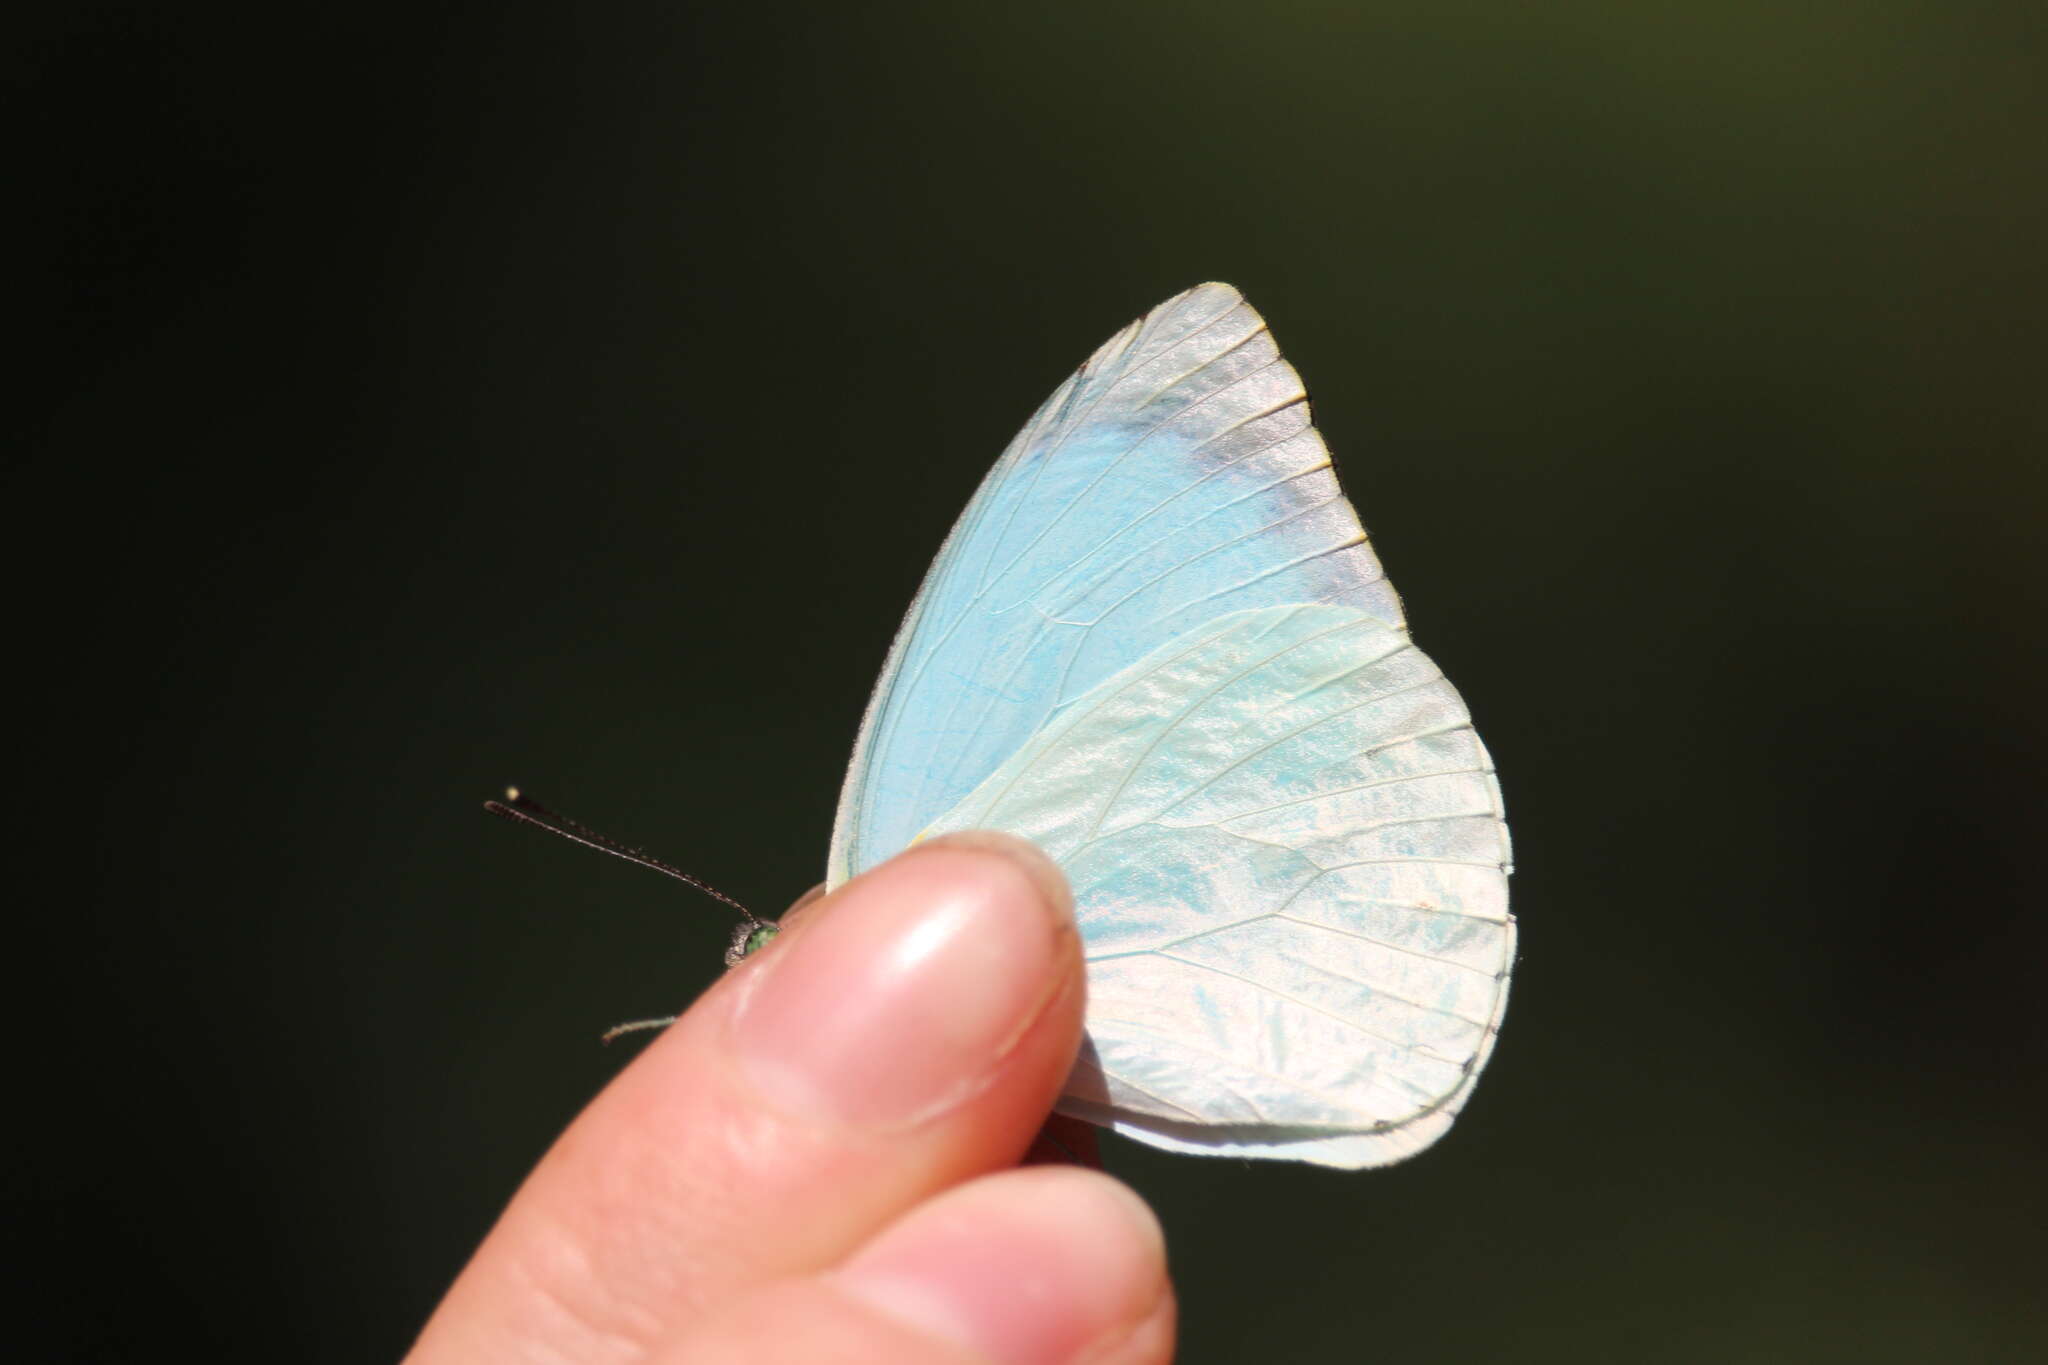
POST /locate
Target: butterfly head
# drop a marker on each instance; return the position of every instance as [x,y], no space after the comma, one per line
[750,937]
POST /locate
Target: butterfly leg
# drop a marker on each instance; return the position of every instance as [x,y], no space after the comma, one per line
[637,1026]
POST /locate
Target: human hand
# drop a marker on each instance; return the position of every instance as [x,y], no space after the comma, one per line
[816,1163]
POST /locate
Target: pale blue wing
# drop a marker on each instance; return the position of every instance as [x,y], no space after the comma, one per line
[1158,644]
[1174,478]
[1287,853]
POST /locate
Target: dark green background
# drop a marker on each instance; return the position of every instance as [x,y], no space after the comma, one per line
[455,395]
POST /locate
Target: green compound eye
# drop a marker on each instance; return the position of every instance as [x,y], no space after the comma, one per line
[748,938]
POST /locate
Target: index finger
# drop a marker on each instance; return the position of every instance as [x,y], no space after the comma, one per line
[908,1033]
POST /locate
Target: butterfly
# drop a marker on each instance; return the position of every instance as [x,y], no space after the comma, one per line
[1159,645]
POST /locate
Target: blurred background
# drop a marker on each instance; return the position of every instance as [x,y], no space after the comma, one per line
[428,398]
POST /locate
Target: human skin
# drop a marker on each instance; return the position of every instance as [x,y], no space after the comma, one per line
[819,1160]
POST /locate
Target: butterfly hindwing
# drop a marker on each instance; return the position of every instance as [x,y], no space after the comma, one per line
[1286,850]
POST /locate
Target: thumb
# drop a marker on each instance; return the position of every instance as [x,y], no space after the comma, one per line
[1030,1267]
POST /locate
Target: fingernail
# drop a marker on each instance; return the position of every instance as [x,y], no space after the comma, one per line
[911,984]
[1034,1275]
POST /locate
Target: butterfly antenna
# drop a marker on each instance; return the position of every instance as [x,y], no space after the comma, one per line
[523,809]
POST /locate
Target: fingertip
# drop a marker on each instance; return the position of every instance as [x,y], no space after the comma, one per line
[1029,1267]
[904,991]
[800,909]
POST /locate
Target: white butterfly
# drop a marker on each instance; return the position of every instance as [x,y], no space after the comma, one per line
[1158,644]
